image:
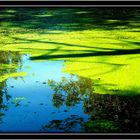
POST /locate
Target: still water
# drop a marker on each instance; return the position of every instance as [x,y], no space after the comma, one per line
[49,100]
[31,105]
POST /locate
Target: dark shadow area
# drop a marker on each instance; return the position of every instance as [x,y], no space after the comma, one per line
[92,53]
[108,113]
[64,125]
[69,19]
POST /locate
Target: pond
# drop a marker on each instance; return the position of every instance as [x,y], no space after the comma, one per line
[49,100]
[31,104]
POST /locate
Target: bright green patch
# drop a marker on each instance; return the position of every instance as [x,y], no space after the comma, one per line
[12,75]
[7,66]
[96,43]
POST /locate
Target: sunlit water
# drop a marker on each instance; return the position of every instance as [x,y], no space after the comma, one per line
[30,106]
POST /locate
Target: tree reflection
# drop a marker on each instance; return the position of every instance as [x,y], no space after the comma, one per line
[57,100]
[65,125]
[70,91]
[9,61]
[108,113]
[8,57]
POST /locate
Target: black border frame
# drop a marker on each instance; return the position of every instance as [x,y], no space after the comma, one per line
[68,3]
[99,3]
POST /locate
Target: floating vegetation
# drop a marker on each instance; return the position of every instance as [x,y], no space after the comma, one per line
[12,75]
[66,125]
[17,100]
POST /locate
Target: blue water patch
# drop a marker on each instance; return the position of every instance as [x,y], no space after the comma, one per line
[30,106]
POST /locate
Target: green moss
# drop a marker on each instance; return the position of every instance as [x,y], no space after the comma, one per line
[7,66]
[103,49]
[11,75]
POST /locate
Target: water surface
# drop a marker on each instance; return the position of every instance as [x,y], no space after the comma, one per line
[31,105]
[49,100]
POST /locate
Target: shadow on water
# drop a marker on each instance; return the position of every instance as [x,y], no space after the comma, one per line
[83,53]
[68,19]
[89,54]
[48,100]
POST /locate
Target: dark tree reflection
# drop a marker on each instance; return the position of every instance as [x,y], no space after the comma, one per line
[65,125]
[108,113]
[57,100]
[70,91]
[121,110]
